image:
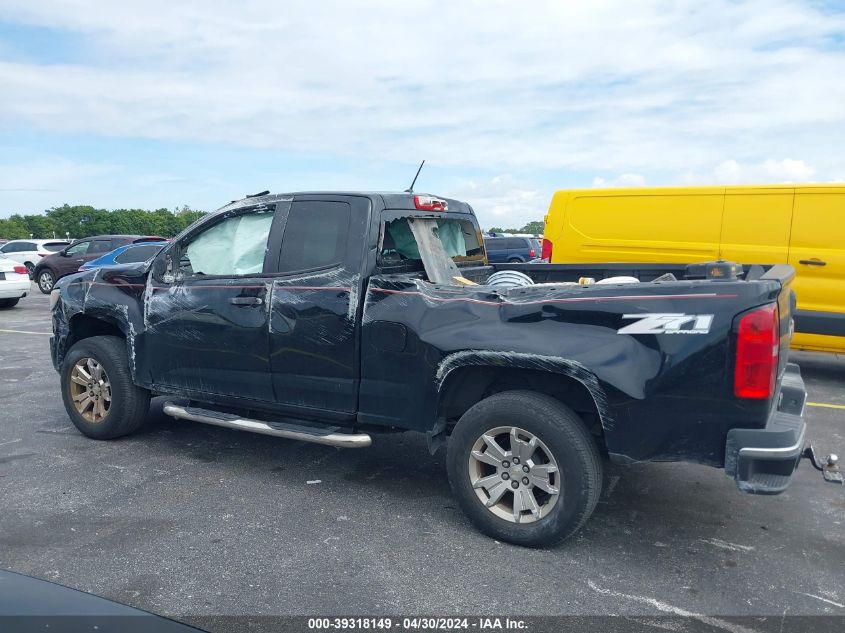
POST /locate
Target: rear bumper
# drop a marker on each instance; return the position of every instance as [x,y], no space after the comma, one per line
[762,461]
[14,289]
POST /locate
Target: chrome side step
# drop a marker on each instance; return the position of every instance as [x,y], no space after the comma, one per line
[316,435]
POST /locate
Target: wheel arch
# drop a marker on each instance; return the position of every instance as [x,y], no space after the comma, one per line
[82,326]
[464,378]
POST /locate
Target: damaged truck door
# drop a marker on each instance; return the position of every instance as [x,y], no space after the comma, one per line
[316,285]
[206,309]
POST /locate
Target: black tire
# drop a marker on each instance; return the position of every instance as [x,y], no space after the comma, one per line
[514,260]
[571,445]
[46,280]
[129,405]
[30,268]
[8,303]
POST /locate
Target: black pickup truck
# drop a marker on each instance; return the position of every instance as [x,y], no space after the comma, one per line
[326,317]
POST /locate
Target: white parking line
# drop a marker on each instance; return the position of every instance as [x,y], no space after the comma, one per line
[25,332]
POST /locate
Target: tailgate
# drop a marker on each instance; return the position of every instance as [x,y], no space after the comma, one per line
[784,274]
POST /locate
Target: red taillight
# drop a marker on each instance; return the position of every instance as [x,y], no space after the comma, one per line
[430,203]
[532,252]
[21,270]
[757,345]
[547,250]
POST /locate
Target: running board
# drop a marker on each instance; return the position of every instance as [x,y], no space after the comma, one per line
[329,435]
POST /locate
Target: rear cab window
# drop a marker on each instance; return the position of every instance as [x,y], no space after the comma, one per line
[459,234]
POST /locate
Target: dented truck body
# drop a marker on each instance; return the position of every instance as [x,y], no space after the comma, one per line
[367,342]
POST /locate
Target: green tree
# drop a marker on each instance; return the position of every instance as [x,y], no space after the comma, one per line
[40,226]
[79,221]
[535,227]
[13,228]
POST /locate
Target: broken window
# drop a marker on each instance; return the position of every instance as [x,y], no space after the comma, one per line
[459,239]
[233,246]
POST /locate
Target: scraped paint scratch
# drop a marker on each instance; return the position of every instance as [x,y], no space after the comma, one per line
[734,547]
[810,595]
[668,608]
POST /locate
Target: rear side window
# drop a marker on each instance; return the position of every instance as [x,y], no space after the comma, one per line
[100,247]
[138,254]
[517,242]
[316,235]
[18,247]
[54,247]
[495,243]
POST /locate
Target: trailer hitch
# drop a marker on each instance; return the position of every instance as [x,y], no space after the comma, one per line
[829,466]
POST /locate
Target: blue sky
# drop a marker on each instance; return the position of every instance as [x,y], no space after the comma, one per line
[165,103]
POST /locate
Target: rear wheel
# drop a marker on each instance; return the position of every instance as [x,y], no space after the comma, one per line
[8,303]
[46,281]
[524,468]
[514,260]
[30,268]
[97,389]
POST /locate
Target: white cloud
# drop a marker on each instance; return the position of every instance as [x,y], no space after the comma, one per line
[622,180]
[502,201]
[768,171]
[479,85]
[786,170]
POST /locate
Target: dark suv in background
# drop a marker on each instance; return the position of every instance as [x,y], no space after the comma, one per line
[69,259]
[512,249]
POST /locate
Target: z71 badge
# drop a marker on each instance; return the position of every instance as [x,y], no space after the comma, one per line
[667,323]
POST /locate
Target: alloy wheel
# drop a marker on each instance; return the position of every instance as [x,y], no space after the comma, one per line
[90,390]
[45,281]
[514,474]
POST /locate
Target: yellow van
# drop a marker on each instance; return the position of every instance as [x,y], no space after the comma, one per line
[803,225]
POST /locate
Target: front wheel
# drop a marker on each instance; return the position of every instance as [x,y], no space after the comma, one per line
[524,468]
[97,389]
[46,281]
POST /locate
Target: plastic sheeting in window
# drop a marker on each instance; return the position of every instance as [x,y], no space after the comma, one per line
[235,246]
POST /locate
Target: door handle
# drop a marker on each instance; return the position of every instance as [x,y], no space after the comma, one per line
[79,261]
[812,262]
[246,301]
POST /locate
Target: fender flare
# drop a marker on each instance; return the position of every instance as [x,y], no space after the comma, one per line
[537,362]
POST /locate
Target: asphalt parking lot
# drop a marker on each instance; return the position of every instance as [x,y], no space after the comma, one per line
[189,520]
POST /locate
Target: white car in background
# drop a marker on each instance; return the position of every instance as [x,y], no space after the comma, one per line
[30,252]
[14,282]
